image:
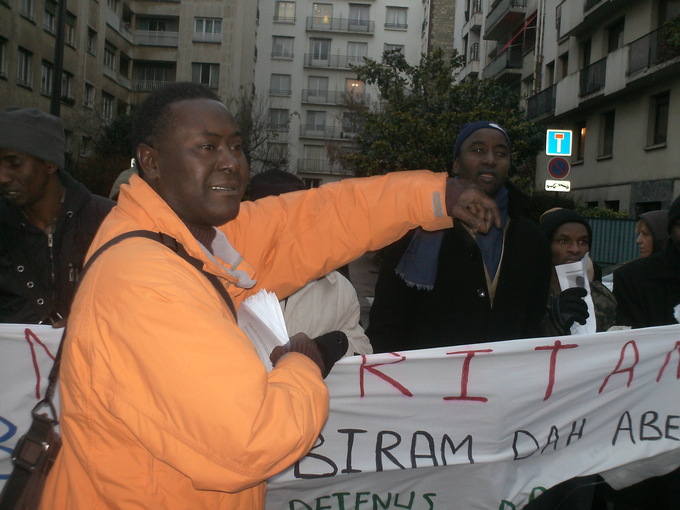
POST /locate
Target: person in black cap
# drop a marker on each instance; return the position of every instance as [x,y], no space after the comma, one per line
[456,287]
[647,290]
[570,238]
[47,219]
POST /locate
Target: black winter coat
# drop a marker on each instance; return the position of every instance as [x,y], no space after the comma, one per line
[458,310]
[38,275]
[647,290]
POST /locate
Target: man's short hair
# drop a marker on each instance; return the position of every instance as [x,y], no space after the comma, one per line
[151,117]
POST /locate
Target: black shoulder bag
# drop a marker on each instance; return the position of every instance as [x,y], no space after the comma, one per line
[37,450]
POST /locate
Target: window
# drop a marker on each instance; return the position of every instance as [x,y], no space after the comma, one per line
[396,18]
[592,204]
[26,8]
[113,5]
[359,17]
[612,205]
[321,50]
[157,25]
[278,119]
[107,106]
[86,146]
[110,56]
[549,74]
[658,118]
[350,123]
[91,44]
[317,87]
[208,30]
[24,69]
[394,47]
[321,14]
[67,88]
[354,86]
[3,58]
[285,12]
[311,182]
[316,120]
[580,140]
[149,76]
[606,134]
[46,78]
[70,29]
[207,74]
[49,19]
[356,51]
[563,69]
[89,96]
[615,36]
[279,85]
[282,47]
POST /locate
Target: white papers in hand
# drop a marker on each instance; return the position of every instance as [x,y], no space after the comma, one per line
[260,318]
[576,275]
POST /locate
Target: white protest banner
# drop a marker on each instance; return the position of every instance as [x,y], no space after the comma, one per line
[27,353]
[486,426]
[490,426]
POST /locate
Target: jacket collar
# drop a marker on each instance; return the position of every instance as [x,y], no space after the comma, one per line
[149,211]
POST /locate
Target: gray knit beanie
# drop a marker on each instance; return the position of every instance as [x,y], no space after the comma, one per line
[33,132]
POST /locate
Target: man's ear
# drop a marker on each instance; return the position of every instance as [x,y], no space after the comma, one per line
[455,166]
[147,157]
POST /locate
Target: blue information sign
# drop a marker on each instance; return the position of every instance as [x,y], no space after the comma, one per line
[558,143]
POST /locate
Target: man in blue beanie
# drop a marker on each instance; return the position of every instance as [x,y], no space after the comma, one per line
[47,219]
[455,287]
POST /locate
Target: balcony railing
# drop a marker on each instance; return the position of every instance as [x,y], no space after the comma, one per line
[148,85]
[650,50]
[280,92]
[340,25]
[501,9]
[510,59]
[589,4]
[592,78]
[156,38]
[332,97]
[323,132]
[207,37]
[543,102]
[284,19]
[320,166]
[333,61]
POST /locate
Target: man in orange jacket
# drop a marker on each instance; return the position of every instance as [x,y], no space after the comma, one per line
[165,403]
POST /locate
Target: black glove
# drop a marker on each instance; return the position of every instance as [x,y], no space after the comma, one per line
[324,350]
[569,307]
[332,347]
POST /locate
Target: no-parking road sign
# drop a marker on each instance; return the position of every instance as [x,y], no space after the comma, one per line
[558,168]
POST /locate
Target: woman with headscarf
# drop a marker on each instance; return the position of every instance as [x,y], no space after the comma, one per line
[652,232]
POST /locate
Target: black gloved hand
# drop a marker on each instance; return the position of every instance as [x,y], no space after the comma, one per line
[569,307]
[332,346]
[324,350]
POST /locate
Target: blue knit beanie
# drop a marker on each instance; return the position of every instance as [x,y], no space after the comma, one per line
[467,129]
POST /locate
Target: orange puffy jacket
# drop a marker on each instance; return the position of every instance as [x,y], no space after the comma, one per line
[165,404]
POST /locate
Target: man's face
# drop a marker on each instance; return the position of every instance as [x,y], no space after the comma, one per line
[570,243]
[675,235]
[484,158]
[198,166]
[644,240]
[24,179]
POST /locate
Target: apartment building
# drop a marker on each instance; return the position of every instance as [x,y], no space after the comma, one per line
[600,68]
[117,51]
[306,55]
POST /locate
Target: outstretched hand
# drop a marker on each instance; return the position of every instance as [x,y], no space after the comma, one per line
[465,201]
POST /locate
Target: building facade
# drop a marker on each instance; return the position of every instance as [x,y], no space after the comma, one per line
[117,51]
[603,69]
[306,72]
